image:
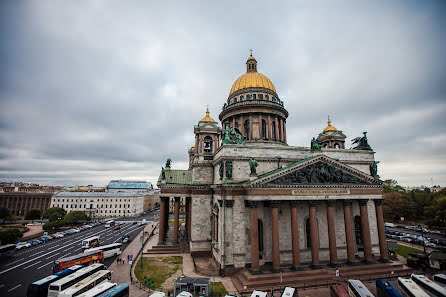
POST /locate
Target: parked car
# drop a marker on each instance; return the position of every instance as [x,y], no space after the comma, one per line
[22,245]
[34,242]
[117,227]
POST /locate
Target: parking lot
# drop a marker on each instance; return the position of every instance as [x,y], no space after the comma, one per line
[413,236]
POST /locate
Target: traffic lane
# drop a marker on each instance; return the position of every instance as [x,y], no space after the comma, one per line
[42,267]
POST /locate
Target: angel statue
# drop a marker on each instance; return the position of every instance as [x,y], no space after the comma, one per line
[315,146]
[361,143]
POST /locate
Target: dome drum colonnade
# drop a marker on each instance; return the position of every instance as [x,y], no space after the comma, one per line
[254,107]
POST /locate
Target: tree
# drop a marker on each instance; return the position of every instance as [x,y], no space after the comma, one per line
[4,213]
[391,185]
[33,214]
[54,214]
[76,216]
[54,226]
[10,236]
[397,205]
[436,212]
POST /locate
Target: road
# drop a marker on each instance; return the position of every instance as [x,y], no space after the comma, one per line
[34,263]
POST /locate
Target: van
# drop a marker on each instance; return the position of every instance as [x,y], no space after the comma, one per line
[391,225]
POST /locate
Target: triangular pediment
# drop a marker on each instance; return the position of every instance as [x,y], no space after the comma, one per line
[317,170]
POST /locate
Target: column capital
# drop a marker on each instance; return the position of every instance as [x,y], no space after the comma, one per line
[293,203]
[229,203]
[347,203]
[311,203]
[363,202]
[378,202]
[251,204]
[275,204]
[330,203]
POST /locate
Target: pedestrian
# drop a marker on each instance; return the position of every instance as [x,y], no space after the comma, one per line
[128,257]
[123,261]
[117,260]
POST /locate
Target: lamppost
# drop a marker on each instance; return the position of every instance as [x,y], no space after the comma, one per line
[422,236]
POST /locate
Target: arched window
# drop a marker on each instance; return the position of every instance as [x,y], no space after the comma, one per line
[325,145]
[274,130]
[254,96]
[241,97]
[246,127]
[260,96]
[207,144]
[263,129]
[267,97]
[337,146]
[236,124]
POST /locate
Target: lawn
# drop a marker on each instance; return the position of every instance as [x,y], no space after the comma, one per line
[180,223]
[158,269]
[404,250]
[217,289]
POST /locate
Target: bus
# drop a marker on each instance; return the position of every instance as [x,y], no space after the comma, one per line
[411,288]
[98,290]
[84,259]
[429,285]
[7,250]
[56,287]
[357,289]
[40,288]
[110,223]
[121,290]
[91,242]
[110,250]
[386,289]
[337,290]
[440,278]
[87,284]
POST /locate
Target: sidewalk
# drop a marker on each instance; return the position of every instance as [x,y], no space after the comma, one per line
[121,272]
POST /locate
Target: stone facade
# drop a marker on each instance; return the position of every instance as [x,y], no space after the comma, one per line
[277,213]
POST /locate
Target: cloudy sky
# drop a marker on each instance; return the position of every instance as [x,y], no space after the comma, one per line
[97,90]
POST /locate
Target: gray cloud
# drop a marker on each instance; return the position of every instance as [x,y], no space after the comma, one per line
[98,90]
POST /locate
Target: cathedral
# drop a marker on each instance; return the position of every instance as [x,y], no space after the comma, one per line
[254,201]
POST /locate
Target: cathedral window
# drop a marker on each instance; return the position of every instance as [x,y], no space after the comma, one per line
[241,97]
[254,96]
[235,99]
[236,125]
[263,129]
[207,144]
[337,146]
[274,99]
[248,96]
[267,97]
[260,96]
[246,127]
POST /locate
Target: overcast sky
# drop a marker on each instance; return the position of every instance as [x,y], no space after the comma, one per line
[97,90]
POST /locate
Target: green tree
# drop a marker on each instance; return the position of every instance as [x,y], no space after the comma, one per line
[76,216]
[33,214]
[10,236]
[397,205]
[436,212]
[54,214]
[4,213]
[54,226]
[391,185]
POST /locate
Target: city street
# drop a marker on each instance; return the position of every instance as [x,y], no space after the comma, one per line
[34,263]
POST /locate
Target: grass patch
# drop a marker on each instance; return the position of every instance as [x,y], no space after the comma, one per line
[20,228]
[217,289]
[404,250]
[180,223]
[158,269]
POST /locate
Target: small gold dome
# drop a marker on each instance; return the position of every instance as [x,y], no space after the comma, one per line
[252,78]
[330,127]
[207,118]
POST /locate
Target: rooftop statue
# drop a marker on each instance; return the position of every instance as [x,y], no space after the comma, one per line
[168,163]
[163,173]
[232,135]
[315,146]
[362,143]
[374,169]
[253,166]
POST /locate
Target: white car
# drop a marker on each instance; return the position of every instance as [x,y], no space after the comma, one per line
[22,245]
[76,230]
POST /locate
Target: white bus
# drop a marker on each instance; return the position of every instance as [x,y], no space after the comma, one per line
[98,290]
[91,242]
[357,289]
[110,223]
[110,250]
[87,284]
[56,287]
[411,288]
[429,285]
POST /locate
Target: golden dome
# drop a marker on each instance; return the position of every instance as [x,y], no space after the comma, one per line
[252,78]
[330,127]
[207,118]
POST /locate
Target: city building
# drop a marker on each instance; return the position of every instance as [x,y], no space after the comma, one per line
[101,204]
[20,203]
[129,186]
[254,201]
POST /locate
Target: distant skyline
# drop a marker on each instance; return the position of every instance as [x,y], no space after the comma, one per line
[100,90]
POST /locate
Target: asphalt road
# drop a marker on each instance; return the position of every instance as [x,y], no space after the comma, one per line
[34,263]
